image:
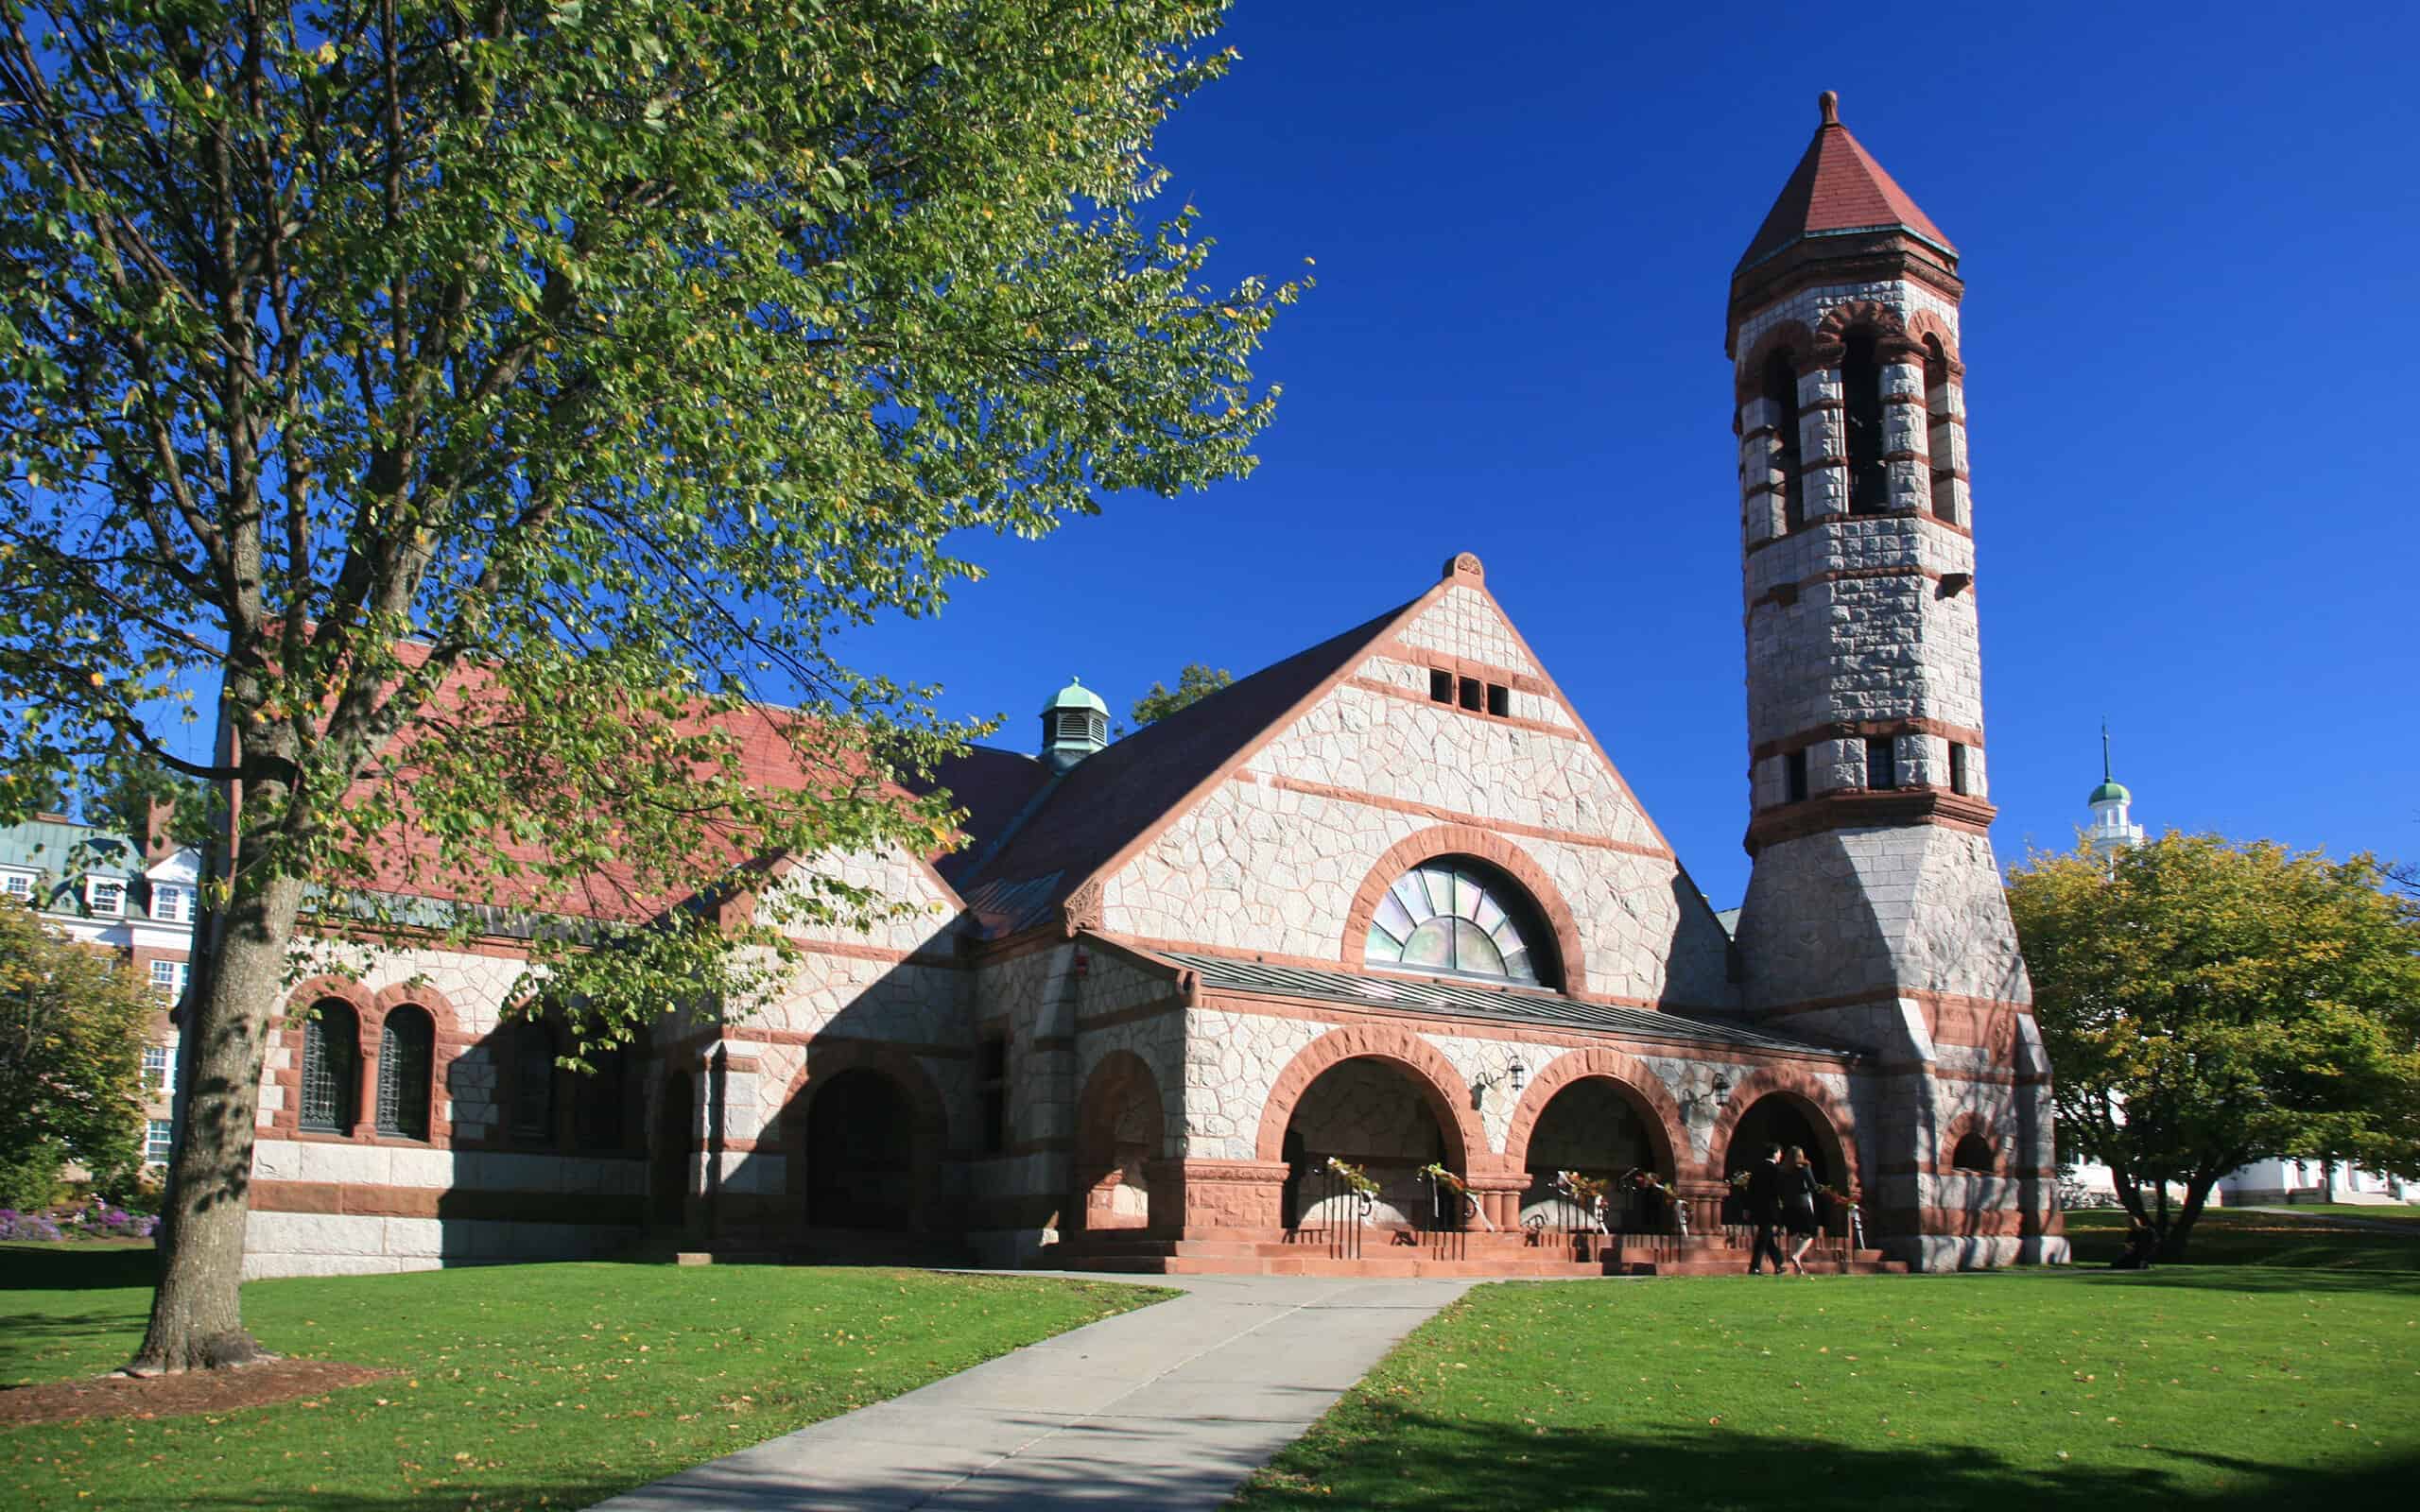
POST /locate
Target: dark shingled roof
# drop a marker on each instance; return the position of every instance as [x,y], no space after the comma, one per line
[1121,791]
[1455,999]
[1838,187]
[993,786]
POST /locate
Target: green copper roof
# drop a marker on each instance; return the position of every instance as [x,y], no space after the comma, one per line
[2109,791]
[1076,696]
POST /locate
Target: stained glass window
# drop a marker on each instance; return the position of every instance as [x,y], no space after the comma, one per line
[1455,915]
[407,1047]
[331,1069]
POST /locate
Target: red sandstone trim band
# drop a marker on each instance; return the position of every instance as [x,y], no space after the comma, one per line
[1445,816]
[1519,722]
[1855,808]
[1866,729]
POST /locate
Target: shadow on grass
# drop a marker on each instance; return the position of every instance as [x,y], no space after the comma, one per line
[1444,1464]
[2255,1278]
[74,1267]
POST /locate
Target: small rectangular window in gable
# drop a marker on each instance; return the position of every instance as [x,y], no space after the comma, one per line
[1499,701]
[1958,778]
[1441,685]
[1473,694]
[106,898]
[168,903]
[1881,763]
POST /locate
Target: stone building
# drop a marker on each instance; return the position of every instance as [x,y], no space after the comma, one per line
[1382,910]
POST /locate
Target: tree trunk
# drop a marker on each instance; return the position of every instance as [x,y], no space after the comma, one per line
[2197,1191]
[196,1314]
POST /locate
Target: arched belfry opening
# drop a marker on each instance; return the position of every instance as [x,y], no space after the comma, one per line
[1862,396]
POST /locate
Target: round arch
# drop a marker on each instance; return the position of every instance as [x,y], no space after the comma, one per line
[1666,1132]
[1973,1123]
[1120,1093]
[927,1119]
[1440,1085]
[1464,840]
[1892,341]
[1789,335]
[1835,1126]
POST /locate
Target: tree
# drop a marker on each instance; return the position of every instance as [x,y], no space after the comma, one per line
[71,1027]
[1193,684]
[2206,1004]
[121,791]
[489,406]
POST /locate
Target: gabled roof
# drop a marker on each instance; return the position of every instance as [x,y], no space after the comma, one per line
[1122,793]
[1838,187]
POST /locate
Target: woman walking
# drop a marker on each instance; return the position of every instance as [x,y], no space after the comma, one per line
[1798,1188]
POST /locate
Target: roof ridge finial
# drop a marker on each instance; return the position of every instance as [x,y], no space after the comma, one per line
[1829,103]
[2104,750]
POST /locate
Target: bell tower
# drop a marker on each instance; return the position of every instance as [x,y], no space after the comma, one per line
[1874,914]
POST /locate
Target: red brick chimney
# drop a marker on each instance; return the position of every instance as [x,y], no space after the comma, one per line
[157,817]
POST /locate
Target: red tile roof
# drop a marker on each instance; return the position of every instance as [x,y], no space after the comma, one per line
[1837,187]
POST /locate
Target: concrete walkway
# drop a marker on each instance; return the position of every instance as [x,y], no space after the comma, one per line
[1168,1407]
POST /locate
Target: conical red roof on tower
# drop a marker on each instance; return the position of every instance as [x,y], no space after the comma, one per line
[1838,187]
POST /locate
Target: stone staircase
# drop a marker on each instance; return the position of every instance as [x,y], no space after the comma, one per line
[1403,1253]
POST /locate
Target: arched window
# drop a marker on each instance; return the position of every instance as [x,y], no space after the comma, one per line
[598,1100]
[533,1081]
[1945,495]
[331,1069]
[1460,917]
[407,1053]
[1974,1153]
[1781,390]
[1861,390]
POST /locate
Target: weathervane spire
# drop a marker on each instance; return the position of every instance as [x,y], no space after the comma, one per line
[2104,750]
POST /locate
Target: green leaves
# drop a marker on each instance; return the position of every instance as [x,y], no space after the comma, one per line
[2204,1004]
[72,1023]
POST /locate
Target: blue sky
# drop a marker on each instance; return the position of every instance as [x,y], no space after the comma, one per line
[2190,330]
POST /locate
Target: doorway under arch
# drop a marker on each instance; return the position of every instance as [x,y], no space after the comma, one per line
[860,1145]
[676,1126]
[1595,1127]
[1778,1118]
[1370,1112]
[1119,1130]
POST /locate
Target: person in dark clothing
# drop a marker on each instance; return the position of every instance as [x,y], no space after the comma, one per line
[1798,1188]
[2142,1242]
[1764,1211]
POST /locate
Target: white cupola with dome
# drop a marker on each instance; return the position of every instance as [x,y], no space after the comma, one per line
[1075,724]
[2112,828]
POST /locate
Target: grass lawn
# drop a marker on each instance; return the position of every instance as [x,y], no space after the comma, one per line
[2202,1386]
[2390,1211]
[522,1386]
[2226,1237]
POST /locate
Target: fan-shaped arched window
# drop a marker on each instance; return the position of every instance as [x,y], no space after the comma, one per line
[1974,1153]
[407,1052]
[1454,915]
[331,1069]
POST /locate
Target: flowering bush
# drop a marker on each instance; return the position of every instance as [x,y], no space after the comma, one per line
[100,1221]
[15,1224]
